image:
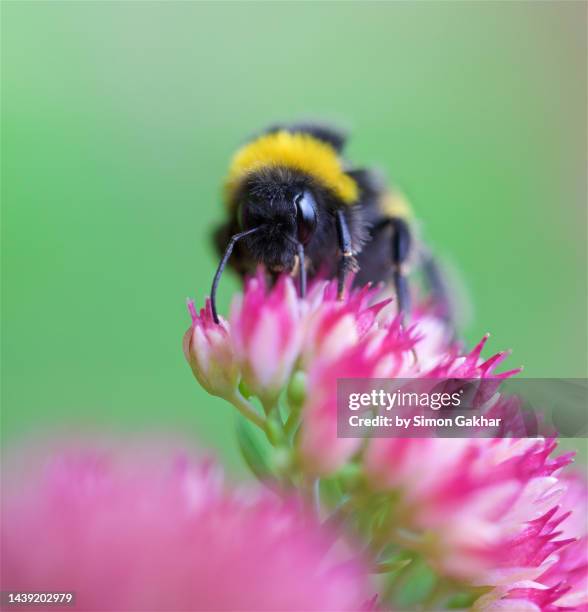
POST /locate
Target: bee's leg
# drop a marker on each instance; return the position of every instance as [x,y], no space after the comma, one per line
[221,239]
[435,279]
[301,269]
[401,249]
[346,260]
[401,244]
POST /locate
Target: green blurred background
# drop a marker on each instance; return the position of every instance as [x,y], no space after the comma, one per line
[119,120]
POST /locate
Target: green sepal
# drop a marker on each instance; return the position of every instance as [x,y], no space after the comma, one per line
[416,583]
[394,564]
[245,391]
[274,431]
[350,475]
[462,601]
[331,492]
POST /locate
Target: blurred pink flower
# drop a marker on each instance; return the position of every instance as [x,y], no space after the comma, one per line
[161,534]
[266,333]
[209,351]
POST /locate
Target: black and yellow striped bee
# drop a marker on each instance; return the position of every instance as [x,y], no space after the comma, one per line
[295,205]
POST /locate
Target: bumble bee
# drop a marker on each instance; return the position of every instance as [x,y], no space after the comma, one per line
[295,205]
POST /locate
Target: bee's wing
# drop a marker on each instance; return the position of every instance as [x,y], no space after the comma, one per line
[558,402]
[444,282]
[458,294]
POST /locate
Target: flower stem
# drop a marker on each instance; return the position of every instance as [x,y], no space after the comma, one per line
[292,419]
[247,410]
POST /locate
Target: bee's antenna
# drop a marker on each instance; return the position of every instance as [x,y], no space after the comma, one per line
[221,267]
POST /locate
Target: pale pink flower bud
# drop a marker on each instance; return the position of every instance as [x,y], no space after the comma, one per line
[209,351]
[266,332]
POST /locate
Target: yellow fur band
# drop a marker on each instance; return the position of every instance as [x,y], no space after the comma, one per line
[297,151]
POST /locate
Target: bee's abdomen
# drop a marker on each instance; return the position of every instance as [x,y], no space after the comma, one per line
[393,204]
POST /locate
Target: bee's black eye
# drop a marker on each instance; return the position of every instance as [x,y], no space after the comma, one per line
[305,216]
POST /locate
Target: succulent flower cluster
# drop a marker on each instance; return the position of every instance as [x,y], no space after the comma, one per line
[340,523]
[490,517]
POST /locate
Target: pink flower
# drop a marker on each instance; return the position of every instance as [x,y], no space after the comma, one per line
[209,351]
[484,511]
[575,500]
[479,509]
[378,353]
[445,360]
[564,583]
[570,570]
[571,567]
[148,532]
[333,326]
[356,338]
[524,596]
[273,333]
[266,334]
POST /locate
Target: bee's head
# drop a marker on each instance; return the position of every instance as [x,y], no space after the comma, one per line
[286,213]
